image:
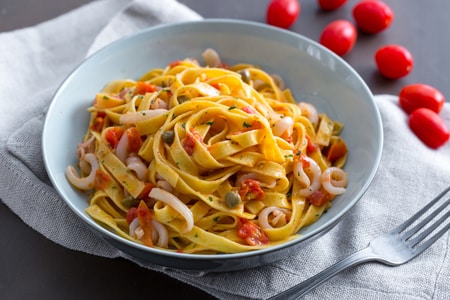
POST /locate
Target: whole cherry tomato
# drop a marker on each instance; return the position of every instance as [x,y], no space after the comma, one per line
[339,36]
[429,127]
[283,13]
[330,4]
[372,16]
[394,61]
[419,95]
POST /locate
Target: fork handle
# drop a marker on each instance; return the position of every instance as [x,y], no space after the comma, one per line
[304,287]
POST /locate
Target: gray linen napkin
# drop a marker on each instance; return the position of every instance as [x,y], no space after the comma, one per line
[409,175]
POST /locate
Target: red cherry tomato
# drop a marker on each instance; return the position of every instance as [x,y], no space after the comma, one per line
[372,16]
[330,4]
[283,13]
[339,36]
[394,61]
[429,127]
[419,95]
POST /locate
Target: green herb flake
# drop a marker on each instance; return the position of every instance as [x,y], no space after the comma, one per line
[247,125]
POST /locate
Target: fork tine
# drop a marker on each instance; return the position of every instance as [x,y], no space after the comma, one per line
[425,221]
[392,248]
[411,220]
[433,239]
[430,229]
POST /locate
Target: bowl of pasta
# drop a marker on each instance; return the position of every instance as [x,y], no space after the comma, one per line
[212,145]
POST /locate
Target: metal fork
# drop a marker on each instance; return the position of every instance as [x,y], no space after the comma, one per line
[394,248]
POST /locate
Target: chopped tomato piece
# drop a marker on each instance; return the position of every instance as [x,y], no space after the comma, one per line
[143,87]
[215,85]
[144,194]
[174,64]
[101,114]
[251,233]
[256,125]
[113,136]
[319,198]
[252,126]
[337,150]
[145,221]
[311,147]
[189,141]
[250,189]
[223,65]
[302,158]
[102,180]
[97,125]
[131,214]
[134,139]
[188,144]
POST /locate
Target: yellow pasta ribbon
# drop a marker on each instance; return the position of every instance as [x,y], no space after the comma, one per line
[219,133]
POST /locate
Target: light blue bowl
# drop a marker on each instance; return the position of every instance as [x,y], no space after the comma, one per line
[313,73]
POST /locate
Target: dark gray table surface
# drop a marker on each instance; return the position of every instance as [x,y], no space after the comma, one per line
[33,267]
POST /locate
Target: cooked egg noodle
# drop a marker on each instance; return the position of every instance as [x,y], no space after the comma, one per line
[229,124]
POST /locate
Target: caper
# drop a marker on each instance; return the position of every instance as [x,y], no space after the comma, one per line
[129,202]
[182,98]
[232,199]
[168,137]
[245,75]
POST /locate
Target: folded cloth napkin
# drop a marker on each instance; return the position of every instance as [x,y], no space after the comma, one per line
[410,174]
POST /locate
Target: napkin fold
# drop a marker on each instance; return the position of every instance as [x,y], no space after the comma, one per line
[410,174]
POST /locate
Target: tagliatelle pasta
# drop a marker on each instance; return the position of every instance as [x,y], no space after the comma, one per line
[208,159]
